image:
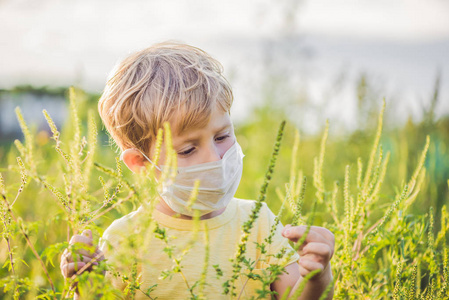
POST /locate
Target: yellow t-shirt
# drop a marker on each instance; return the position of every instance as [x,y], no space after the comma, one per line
[224,233]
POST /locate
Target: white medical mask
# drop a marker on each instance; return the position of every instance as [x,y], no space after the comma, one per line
[219,181]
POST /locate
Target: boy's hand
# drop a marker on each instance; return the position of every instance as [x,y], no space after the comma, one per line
[317,249]
[72,262]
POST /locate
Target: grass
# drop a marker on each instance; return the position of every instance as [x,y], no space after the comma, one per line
[383,193]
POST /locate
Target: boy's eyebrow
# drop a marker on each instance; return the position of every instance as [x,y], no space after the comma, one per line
[225,126]
[194,139]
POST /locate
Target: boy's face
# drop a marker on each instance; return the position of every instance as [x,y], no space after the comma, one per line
[206,144]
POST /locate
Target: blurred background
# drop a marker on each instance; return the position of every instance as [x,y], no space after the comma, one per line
[303,61]
[312,54]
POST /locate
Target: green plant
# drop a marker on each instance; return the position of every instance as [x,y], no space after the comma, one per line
[384,249]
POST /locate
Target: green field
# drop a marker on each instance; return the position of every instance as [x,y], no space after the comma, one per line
[383,192]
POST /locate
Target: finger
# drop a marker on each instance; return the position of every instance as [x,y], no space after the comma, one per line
[306,266]
[68,256]
[315,234]
[83,245]
[77,252]
[87,233]
[63,259]
[81,239]
[313,257]
[320,249]
[285,228]
[324,232]
[77,257]
[69,269]
[64,253]
[295,233]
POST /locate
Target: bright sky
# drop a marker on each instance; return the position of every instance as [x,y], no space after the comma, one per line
[59,39]
[403,20]
[54,42]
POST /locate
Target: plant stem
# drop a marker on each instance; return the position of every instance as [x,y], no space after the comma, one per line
[131,194]
[31,247]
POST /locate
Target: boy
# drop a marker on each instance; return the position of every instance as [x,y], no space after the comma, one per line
[183,85]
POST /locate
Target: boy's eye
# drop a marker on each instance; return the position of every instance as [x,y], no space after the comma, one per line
[186,152]
[222,137]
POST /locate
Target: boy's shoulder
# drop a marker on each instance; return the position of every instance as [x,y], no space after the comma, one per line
[248,205]
[122,224]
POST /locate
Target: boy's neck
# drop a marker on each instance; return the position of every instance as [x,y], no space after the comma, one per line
[165,209]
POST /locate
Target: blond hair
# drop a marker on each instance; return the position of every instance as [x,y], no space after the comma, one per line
[158,84]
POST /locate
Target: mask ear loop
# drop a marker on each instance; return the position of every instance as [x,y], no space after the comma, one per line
[156,166]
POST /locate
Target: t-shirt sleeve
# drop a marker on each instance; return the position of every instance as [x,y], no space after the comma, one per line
[280,251]
[109,243]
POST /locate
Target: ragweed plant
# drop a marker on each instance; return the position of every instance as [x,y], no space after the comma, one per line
[383,250]
[239,260]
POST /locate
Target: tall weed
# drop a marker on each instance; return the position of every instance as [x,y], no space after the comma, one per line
[383,249]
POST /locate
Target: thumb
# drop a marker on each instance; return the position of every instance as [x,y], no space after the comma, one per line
[87,233]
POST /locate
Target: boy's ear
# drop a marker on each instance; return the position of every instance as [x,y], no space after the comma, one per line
[133,159]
